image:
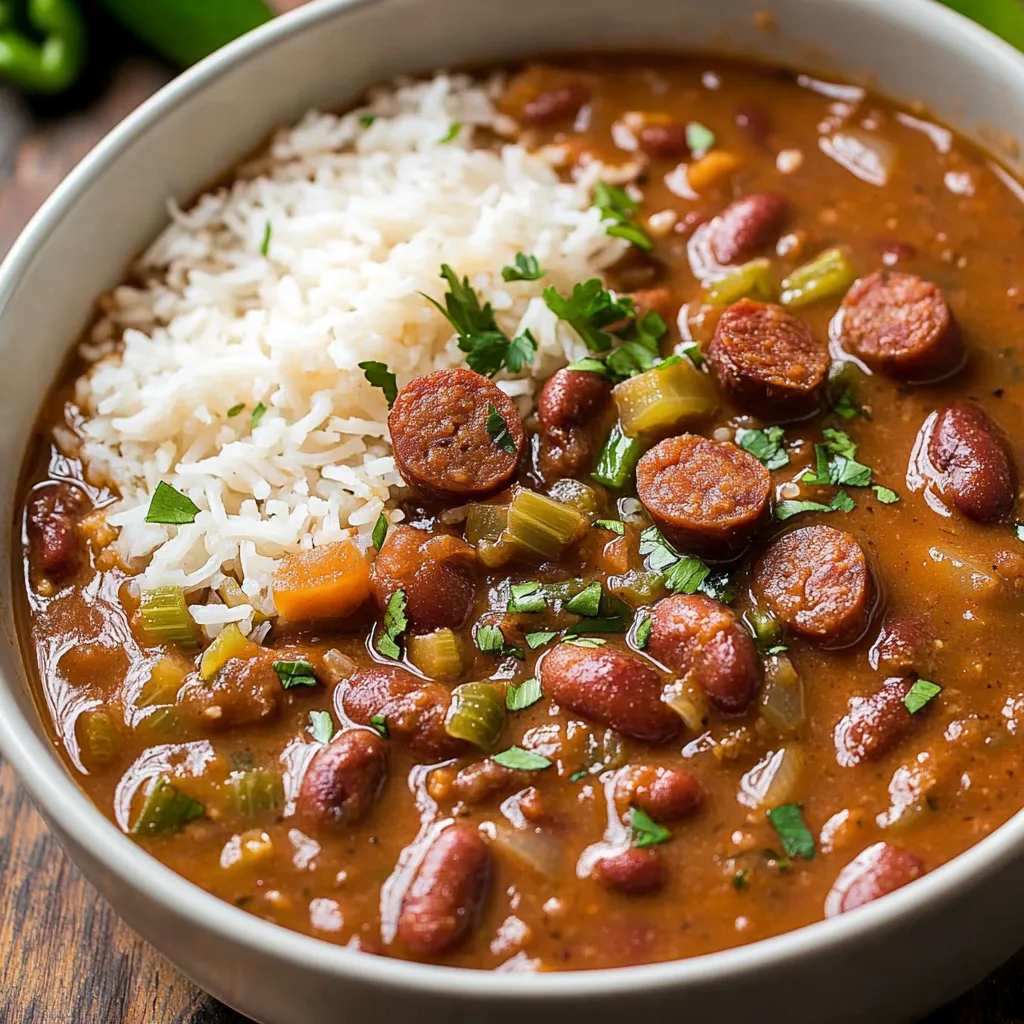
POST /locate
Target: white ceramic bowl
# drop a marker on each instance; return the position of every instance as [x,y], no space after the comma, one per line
[901,956]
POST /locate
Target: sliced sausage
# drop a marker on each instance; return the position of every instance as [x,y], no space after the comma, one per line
[905,645]
[691,633]
[900,324]
[343,780]
[554,105]
[610,687]
[436,571]
[50,519]
[439,432]
[634,872]
[874,725]
[747,226]
[973,463]
[664,140]
[769,361]
[446,895]
[666,794]
[877,871]
[707,497]
[413,710]
[816,581]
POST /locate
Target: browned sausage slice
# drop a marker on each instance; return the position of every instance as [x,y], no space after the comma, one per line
[444,900]
[634,872]
[876,871]
[874,725]
[769,361]
[817,582]
[746,226]
[412,709]
[439,433]
[707,497]
[973,461]
[666,794]
[900,324]
[436,571]
[607,686]
[343,780]
[694,634]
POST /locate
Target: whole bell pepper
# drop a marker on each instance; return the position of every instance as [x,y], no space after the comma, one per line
[51,62]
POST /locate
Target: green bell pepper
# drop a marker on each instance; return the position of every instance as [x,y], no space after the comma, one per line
[51,63]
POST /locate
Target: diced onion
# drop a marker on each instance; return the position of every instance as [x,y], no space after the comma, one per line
[864,154]
[781,703]
[532,847]
[773,780]
[437,655]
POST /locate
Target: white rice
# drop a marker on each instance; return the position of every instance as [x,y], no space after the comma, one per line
[361,219]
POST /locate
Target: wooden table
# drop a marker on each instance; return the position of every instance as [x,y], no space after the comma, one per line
[64,956]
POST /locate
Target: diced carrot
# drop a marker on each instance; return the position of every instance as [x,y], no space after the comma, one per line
[710,169]
[327,582]
[615,556]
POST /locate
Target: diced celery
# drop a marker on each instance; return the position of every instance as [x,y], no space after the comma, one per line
[96,732]
[437,655]
[663,400]
[766,628]
[255,792]
[577,495]
[828,274]
[638,587]
[165,810]
[229,643]
[477,714]
[541,525]
[751,280]
[618,459]
[485,522]
[164,617]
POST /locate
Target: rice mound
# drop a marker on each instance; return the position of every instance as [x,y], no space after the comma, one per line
[356,217]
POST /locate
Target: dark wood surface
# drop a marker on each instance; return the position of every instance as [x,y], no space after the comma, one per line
[65,958]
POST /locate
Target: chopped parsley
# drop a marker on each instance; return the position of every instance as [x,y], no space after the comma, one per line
[699,137]
[235,410]
[490,640]
[587,602]
[765,445]
[683,575]
[526,269]
[539,638]
[842,502]
[646,831]
[171,507]
[885,495]
[920,694]
[582,773]
[521,760]
[603,624]
[257,415]
[380,724]
[365,120]
[788,822]
[643,633]
[619,206]
[520,696]
[321,725]
[847,405]
[380,531]
[453,129]
[686,576]
[589,311]
[613,525]
[836,463]
[526,599]
[585,641]
[265,244]
[379,376]
[395,624]
[294,673]
[497,429]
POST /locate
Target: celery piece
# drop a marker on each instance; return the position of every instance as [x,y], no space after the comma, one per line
[751,280]
[165,810]
[437,655]
[767,629]
[541,525]
[485,522]
[228,644]
[664,400]
[164,617]
[618,459]
[477,713]
[96,732]
[255,792]
[830,273]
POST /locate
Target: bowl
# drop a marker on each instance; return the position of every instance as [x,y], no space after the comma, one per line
[901,956]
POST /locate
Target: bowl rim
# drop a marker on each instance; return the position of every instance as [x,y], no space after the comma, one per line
[65,804]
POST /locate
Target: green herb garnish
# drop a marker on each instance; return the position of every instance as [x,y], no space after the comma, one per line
[380,531]
[521,760]
[765,445]
[643,633]
[395,624]
[681,575]
[589,311]
[618,206]
[265,244]
[497,429]
[380,725]
[171,507]
[920,694]
[646,831]
[490,640]
[453,129]
[539,638]
[612,525]
[294,673]
[365,120]
[321,725]
[526,599]
[379,376]
[693,352]
[885,495]
[848,407]
[235,410]
[526,269]
[739,880]
[257,415]
[686,576]
[699,137]
[788,822]
[842,502]
[520,696]
[582,773]
[585,641]
[587,602]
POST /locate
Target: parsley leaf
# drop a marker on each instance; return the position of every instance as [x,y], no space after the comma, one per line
[539,638]
[589,310]
[520,696]
[612,525]
[686,576]
[693,352]
[380,531]
[380,377]
[521,760]
[842,502]
[581,774]
[885,495]
[521,349]
[920,694]
[588,364]
[848,407]
[660,555]
[395,624]
[497,428]
[257,415]
[453,129]
[618,206]
[526,599]
[365,120]
[683,575]
[491,640]
[265,244]
[380,724]
[587,602]
[643,633]
[526,269]
[321,725]
[788,822]
[646,831]
[171,507]
[699,137]
[294,673]
[765,445]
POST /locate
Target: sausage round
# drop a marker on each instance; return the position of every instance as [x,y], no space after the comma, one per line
[694,634]
[746,226]
[876,871]
[973,462]
[874,725]
[666,794]
[607,686]
[816,581]
[440,438]
[446,894]
[635,872]
[900,325]
[707,497]
[769,361]
[343,780]
[413,709]
[436,571]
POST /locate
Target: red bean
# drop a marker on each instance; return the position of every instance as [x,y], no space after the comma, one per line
[51,528]
[874,725]
[413,709]
[816,581]
[905,645]
[755,122]
[973,463]
[483,779]
[634,872]
[747,226]
[440,436]
[607,686]
[436,571]
[694,634]
[664,140]
[877,871]
[666,794]
[446,895]
[555,105]
[571,398]
[708,497]
[900,324]
[343,780]
[769,361]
